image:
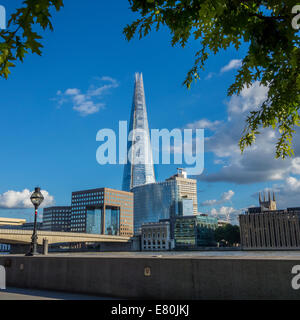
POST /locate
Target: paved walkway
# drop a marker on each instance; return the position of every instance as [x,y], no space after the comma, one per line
[27,294]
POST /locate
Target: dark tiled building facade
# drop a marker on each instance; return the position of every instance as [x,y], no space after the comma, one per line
[102,211]
[57,219]
[264,228]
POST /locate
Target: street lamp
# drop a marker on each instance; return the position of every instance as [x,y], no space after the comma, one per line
[36,199]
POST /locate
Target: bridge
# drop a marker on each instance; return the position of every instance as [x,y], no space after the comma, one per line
[12,236]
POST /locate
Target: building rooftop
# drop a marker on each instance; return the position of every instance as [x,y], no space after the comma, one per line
[11,222]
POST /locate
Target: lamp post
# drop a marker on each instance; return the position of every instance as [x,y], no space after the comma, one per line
[36,199]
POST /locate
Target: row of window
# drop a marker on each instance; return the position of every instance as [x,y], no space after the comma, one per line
[154,235]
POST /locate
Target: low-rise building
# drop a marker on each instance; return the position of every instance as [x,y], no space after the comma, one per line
[222,223]
[191,232]
[156,236]
[9,222]
[30,226]
[57,219]
[265,227]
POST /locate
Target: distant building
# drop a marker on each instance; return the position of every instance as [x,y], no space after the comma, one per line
[191,232]
[30,225]
[102,211]
[222,223]
[265,204]
[263,228]
[156,237]
[57,219]
[187,189]
[9,222]
[164,200]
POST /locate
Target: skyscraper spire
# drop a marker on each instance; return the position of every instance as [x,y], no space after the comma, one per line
[140,169]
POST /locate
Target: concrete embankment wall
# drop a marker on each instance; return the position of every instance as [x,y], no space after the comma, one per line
[171,278]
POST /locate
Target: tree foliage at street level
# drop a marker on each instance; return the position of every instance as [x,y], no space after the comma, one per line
[19,38]
[273,56]
[229,233]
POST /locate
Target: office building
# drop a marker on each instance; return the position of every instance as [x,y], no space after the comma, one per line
[102,211]
[57,219]
[263,228]
[156,236]
[164,200]
[191,232]
[187,191]
[140,169]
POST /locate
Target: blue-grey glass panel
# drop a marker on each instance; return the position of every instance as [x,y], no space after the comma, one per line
[94,221]
[112,221]
[155,201]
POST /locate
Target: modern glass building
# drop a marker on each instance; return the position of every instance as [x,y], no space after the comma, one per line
[176,196]
[140,169]
[155,201]
[57,219]
[194,231]
[102,211]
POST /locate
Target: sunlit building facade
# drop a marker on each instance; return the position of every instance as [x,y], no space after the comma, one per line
[102,211]
[156,236]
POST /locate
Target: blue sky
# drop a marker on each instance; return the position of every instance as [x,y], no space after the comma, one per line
[48,143]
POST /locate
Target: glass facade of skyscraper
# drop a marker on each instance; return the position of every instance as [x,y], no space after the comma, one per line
[155,201]
[140,169]
[177,196]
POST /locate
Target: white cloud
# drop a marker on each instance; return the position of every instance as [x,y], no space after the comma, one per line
[210,75]
[204,124]
[87,103]
[249,99]
[225,197]
[258,163]
[233,64]
[229,214]
[21,199]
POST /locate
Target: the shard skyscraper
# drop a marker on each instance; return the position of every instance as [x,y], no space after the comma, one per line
[139,169]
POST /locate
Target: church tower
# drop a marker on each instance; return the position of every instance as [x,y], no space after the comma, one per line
[267,205]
